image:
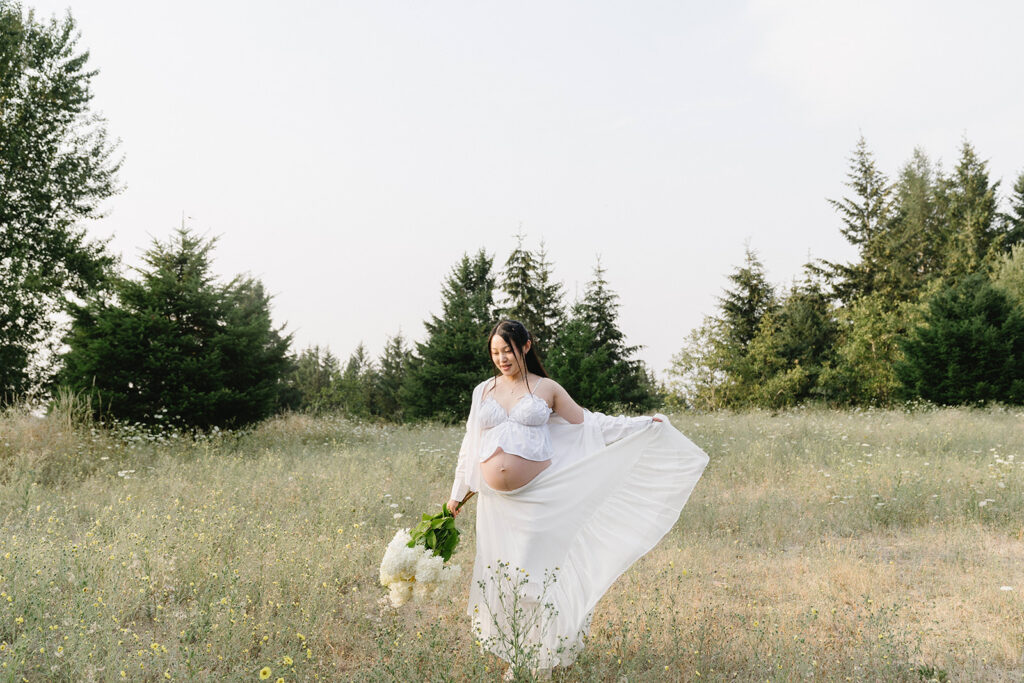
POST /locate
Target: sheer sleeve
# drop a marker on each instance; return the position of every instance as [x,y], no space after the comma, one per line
[615,428]
[466,471]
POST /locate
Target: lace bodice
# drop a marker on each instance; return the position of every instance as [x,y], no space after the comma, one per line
[522,431]
[532,413]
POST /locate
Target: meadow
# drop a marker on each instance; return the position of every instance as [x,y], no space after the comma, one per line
[819,545]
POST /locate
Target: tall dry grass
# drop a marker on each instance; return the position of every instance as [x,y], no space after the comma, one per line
[819,545]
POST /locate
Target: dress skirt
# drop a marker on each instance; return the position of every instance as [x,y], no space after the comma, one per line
[547,551]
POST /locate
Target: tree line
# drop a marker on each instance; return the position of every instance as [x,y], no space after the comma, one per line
[172,346]
[581,346]
[932,308]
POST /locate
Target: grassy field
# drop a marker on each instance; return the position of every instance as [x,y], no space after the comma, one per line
[819,545]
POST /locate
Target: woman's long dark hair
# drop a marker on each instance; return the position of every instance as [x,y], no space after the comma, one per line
[516,335]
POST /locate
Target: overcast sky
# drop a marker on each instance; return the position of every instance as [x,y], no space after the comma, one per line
[348,153]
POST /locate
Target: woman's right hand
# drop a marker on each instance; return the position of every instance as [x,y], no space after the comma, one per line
[453,507]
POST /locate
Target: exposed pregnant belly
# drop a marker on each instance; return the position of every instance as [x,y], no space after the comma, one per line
[505,471]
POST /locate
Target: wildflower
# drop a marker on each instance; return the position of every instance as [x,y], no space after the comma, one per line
[264,673]
[287,660]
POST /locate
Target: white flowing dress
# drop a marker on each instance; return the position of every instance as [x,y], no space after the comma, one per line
[546,552]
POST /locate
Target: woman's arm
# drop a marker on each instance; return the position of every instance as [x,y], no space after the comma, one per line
[461,485]
[562,403]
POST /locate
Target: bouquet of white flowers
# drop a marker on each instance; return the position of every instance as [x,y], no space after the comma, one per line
[415,563]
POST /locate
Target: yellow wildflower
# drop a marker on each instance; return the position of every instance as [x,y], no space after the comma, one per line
[264,673]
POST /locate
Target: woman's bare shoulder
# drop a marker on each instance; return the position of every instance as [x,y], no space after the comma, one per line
[551,387]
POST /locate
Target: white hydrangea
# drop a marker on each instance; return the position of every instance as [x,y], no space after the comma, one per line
[413,572]
[400,593]
[428,568]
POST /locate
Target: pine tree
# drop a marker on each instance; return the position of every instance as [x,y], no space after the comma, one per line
[968,201]
[520,287]
[550,307]
[454,358]
[592,358]
[176,347]
[792,346]
[316,372]
[392,366]
[355,387]
[599,309]
[864,217]
[909,254]
[969,349]
[1013,222]
[745,305]
[532,296]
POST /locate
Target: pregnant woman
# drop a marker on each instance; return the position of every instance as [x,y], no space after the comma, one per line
[569,499]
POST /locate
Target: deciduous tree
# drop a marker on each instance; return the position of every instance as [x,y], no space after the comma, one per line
[57,165]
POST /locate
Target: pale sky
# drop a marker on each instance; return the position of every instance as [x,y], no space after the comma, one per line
[348,153]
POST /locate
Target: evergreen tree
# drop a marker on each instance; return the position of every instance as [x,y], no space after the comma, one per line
[792,346]
[968,202]
[864,217]
[56,167]
[599,309]
[176,347]
[745,305]
[356,386]
[550,306]
[970,347]
[454,358]
[392,364]
[315,375]
[585,367]
[592,361]
[909,253]
[520,286]
[1013,222]
[532,296]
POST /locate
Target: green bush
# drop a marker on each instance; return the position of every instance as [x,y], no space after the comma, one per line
[968,349]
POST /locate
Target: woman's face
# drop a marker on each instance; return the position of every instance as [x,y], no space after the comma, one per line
[505,358]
